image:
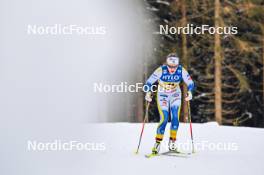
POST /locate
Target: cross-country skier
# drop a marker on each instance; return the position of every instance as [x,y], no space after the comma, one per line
[169,95]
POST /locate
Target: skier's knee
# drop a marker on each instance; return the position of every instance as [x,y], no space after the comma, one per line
[175,126]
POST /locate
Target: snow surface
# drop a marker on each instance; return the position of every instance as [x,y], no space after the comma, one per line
[121,141]
[247,159]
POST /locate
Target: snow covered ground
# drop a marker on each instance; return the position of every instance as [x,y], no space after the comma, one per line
[245,155]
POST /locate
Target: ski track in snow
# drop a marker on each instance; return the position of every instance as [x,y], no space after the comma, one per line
[121,141]
[120,157]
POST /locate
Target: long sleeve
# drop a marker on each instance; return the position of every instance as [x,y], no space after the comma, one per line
[153,78]
[187,80]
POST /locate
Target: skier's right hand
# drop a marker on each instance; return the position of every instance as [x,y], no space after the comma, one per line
[148,97]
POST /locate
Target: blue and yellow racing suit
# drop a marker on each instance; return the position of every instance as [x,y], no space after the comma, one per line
[169,97]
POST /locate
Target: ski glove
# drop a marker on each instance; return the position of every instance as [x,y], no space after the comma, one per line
[189,96]
[148,97]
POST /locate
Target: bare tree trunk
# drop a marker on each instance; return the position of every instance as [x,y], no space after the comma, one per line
[140,101]
[184,57]
[139,109]
[263,69]
[218,66]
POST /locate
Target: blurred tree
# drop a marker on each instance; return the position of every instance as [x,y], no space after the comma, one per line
[227,69]
[218,65]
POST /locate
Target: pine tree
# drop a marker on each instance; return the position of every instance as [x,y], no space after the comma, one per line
[227,69]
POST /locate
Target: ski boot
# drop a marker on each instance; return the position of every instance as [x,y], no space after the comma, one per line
[156,148]
[172,145]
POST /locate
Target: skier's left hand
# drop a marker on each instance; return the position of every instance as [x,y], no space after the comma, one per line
[148,97]
[189,96]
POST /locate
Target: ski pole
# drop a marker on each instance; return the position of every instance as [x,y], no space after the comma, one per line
[143,125]
[190,121]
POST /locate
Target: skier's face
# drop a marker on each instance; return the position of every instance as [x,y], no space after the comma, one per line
[172,69]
